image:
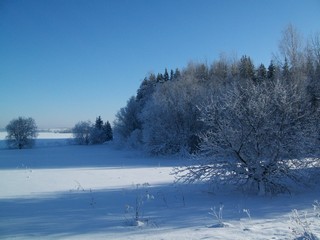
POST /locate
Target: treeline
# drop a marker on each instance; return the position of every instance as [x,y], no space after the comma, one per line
[247,125]
[86,133]
[166,115]
[22,132]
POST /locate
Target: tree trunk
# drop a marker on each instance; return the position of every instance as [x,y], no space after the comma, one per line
[262,188]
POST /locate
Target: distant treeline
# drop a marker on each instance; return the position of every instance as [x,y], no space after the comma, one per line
[62,130]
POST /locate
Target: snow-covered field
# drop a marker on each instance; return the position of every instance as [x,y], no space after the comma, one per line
[62,191]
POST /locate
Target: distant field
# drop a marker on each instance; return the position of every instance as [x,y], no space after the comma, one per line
[44,139]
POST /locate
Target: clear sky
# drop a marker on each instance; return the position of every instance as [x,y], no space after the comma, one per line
[63,61]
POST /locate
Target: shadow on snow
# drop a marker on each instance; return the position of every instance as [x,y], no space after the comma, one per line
[88,211]
[70,156]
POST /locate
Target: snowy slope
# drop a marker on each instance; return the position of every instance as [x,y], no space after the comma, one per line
[60,191]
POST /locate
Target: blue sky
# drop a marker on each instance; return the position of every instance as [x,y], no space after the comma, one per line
[63,61]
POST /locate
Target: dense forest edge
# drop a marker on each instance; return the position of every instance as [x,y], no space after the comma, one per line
[250,125]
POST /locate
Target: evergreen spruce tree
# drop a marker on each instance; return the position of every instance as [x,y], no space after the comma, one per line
[246,68]
[271,71]
[176,74]
[97,133]
[171,75]
[261,72]
[99,123]
[166,75]
[160,78]
[108,131]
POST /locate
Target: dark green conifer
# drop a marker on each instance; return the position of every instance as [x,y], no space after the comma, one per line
[108,131]
[271,71]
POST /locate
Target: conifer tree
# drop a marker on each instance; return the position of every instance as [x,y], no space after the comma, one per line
[108,131]
[261,72]
[176,74]
[99,123]
[166,75]
[171,75]
[271,71]
[160,78]
[246,68]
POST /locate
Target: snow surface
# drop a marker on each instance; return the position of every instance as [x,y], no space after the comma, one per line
[62,191]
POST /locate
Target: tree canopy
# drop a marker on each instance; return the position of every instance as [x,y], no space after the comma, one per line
[21,132]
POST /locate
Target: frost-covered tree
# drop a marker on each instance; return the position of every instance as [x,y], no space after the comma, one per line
[199,72]
[170,118]
[285,70]
[21,132]
[146,89]
[261,136]
[82,132]
[177,74]
[127,120]
[220,69]
[291,47]
[86,133]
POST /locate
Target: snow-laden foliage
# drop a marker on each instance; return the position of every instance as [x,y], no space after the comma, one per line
[85,132]
[261,136]
[170,119]
[127,121]
[257,126]
[81,132]
[21,132]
